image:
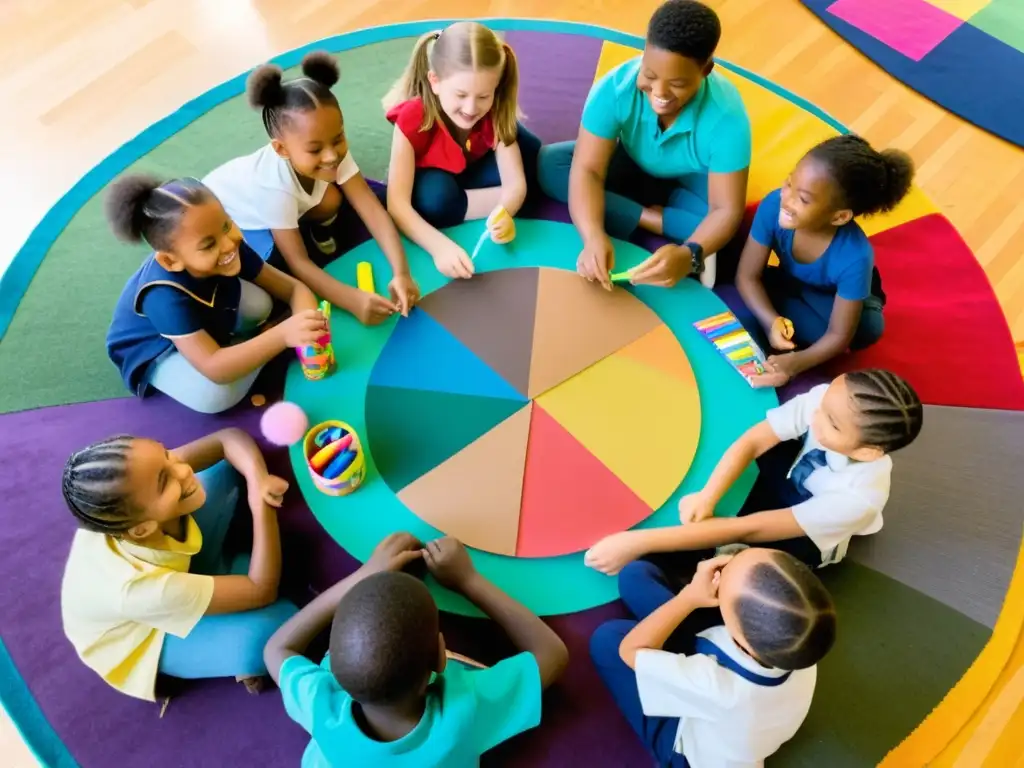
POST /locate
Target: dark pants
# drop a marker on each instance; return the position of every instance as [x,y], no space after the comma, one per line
[628,190]
[811,309]
[440,197]
[643,588]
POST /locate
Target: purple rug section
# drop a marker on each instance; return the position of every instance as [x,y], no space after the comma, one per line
[215,722]
[555,75]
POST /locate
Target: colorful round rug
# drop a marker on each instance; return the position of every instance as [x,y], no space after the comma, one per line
[917,602]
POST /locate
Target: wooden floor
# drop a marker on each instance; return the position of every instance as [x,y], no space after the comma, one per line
[77,79]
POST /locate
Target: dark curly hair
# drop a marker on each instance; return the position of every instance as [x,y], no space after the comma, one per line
[266,90]
[385,638]
[786,614]
[686,27]
[141,207]
[889,412]
[869,181]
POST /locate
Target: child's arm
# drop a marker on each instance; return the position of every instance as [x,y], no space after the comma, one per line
[449,563]
[512,193]
[286,288]
[368,308]
[654,631]
[449,258]
[293,638]
[752,264]
[223,365]
[403,289]
[842,325]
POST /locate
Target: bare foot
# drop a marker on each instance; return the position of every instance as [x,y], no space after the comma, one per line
[652,219]
[253,685]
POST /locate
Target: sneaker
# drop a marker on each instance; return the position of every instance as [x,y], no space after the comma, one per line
[323,239]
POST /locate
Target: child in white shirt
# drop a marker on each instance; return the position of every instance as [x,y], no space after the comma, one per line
[729,696]
[301,180]
[836,488]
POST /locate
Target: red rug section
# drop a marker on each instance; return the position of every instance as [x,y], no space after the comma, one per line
[944,329]
[570,499]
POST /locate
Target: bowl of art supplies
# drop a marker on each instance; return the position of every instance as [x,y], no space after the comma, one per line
[335,458]
[318,358]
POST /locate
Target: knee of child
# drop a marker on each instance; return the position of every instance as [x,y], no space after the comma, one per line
[260,626]
[255,304]
[439,199]
[553,164]
[605,642]
[869,330]
[635,573]
[330,203]
[217,398]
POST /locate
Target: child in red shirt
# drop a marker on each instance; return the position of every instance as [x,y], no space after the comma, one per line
[458,150]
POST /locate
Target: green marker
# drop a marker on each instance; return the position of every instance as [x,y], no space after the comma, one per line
[621,277]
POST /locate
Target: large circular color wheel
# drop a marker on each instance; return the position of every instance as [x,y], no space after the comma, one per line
[529,413]
[353,393]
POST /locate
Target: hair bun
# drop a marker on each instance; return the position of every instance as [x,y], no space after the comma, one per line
[264,87]
[899,175]
[124,205]
[321,67]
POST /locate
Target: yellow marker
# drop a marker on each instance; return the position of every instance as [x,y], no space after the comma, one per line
[364,277]
[786,326]
[498,214]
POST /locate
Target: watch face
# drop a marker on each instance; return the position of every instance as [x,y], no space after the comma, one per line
[696,260]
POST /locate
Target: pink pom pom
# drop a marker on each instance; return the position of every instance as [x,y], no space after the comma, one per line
[284,423]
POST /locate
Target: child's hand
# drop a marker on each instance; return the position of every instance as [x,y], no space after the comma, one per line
[453,261]
[394,553]
[303,328]
[596,261]
[703,587]
[778,370]
[449,562]
[404,292]
[612,553]
[372,308]
[695,507]
[781,334]
[501,226]
[270,491]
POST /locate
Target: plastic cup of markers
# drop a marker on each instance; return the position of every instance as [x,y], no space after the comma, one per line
[349,478]
[317,359]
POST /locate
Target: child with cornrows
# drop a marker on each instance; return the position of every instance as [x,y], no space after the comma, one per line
[306,181]
[824,478]
[179,319]
[826,294]
[458,151]
[150,586]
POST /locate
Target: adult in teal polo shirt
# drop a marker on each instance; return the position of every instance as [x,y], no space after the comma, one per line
[665,146]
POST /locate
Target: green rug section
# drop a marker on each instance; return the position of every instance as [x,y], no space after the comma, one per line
[53,352]
[897,654]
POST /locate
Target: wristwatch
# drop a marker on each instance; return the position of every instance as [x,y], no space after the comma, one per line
[696,258]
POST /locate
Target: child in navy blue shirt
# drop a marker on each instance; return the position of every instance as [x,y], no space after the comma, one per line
[178,315]
[825,296]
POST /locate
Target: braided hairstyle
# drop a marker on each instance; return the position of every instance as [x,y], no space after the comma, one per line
[889,412]
[266,90]
[141,207]
[869,181]
[786,614]
[93,486]
[687,28]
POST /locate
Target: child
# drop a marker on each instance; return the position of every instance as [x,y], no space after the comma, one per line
[178,315]
[664,146]
[458,151]
[827,481]
[727,695]
[826,296]
[384,695]
[303,178]
[149,586]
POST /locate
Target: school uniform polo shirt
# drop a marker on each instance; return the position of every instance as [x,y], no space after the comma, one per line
[157,306]
[725,720]
[846,266]
[436,147]
[468,711]
[710,135]
[119,600]
[847,496]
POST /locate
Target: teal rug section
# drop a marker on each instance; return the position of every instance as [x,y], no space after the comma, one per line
[357,522]
[30,721]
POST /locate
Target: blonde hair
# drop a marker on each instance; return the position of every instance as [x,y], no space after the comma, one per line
[463,46]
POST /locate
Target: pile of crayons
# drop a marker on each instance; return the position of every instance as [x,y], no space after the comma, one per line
[732,340]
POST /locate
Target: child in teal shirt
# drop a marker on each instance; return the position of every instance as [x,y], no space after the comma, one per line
[664,146]
[384,696]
